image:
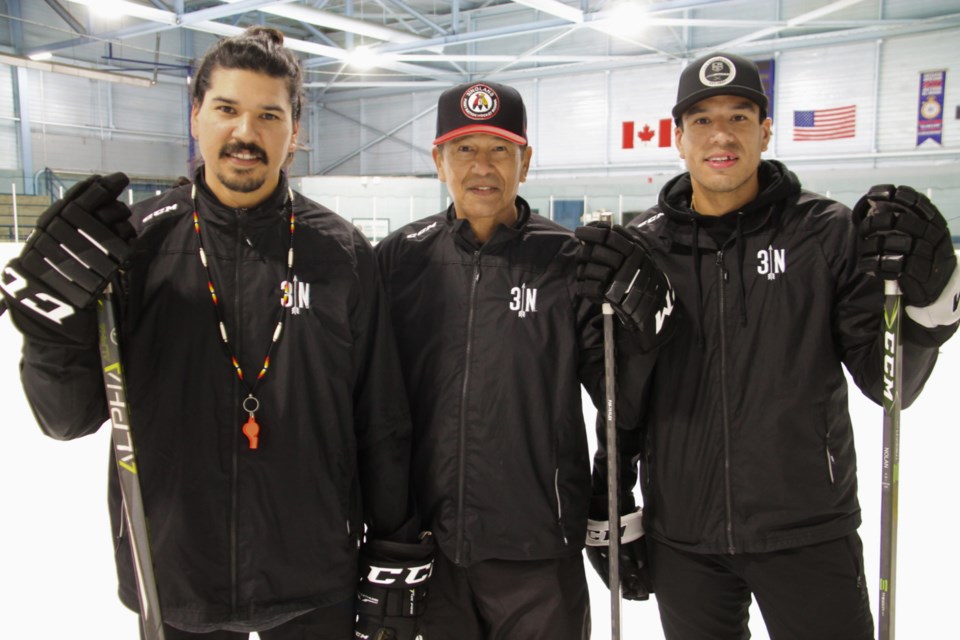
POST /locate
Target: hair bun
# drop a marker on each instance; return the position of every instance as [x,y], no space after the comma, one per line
[265,33]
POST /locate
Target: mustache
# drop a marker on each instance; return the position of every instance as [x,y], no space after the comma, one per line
[238,147]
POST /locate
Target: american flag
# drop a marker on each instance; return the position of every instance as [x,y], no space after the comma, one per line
[825,124]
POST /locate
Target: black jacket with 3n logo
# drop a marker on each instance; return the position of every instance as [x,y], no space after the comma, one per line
[494,346]
[245,538]
[745,439]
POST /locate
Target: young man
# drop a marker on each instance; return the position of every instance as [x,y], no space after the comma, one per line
[747,461]
[494,346]
[263,384]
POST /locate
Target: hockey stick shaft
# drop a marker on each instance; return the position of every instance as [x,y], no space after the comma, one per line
[613,472]
[124,451]
[890,475]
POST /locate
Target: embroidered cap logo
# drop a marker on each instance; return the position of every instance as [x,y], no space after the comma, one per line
[717,72]
[479,102]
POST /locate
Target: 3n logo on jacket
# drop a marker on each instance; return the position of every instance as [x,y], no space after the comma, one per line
[523,300]
[771,262]
[296,295]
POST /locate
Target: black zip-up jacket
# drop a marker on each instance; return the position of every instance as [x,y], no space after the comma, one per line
[494,346]
[243,539]
[744,435]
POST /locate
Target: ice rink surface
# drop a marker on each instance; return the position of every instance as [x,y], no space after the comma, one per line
[57,569]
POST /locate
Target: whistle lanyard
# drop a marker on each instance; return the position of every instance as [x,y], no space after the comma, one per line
[250,404]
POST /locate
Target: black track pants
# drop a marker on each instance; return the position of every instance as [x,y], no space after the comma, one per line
[808,593]
[327,623]
[508,600]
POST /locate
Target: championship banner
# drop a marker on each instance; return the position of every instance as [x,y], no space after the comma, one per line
[930,111]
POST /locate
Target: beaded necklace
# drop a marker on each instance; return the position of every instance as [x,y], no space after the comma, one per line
[250,404]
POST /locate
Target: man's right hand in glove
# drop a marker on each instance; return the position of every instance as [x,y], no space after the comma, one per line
[615,268]
[392,595]
[76,247]
[634,578]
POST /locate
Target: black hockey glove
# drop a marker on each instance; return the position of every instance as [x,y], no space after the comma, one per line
[615,268]
[634,573]
[904,237]
[77,245]
[393,589]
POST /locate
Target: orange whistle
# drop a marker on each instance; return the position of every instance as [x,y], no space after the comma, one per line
[252,430]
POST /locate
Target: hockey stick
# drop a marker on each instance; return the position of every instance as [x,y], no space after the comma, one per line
[123,449]
[613,474]
[613,460]
[890,481]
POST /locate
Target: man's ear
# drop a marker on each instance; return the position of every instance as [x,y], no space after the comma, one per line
[194,115]
[438,161]
[527,155]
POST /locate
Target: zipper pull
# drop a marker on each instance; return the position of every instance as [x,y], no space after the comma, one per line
[476,266]
[723,272]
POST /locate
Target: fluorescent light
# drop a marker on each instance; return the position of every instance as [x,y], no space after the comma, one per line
[362,58]
[116,8]
[43,55]
[626,19]
[554,8]
[73,70]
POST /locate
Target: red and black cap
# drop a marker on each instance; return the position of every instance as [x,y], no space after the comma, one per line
[718,74]
[481,107]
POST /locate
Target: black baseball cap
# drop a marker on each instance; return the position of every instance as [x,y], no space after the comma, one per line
[717,74]
[481,107]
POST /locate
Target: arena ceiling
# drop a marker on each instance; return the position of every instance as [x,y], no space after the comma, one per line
[352,48]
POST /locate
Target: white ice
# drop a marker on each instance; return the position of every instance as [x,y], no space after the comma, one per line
[56,553]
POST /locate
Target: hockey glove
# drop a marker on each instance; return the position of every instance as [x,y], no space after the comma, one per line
[77,245]
[904,237]
[634,577]
[615,268]
[393,589]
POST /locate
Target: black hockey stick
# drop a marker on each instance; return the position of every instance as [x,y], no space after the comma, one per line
[890,475]
[613,473]
[133,513]
[613,460]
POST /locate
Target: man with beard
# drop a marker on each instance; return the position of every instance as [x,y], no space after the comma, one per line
[263,384]
[739,420]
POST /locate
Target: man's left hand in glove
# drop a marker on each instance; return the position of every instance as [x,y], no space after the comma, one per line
[634,574]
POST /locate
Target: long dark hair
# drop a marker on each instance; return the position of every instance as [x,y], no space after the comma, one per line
[256,49]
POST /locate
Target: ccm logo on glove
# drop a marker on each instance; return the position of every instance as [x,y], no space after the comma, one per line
[391,575]
[41,303]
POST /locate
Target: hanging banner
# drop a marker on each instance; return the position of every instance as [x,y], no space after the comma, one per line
[767,69]
[930,111]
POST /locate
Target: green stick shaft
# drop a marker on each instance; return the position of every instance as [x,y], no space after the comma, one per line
[122,438]
[890,477]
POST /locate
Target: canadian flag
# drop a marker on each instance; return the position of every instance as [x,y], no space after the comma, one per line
[664,133]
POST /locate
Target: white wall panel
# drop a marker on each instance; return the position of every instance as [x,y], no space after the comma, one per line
[9,148]
[904,59]
[162,108]
[643,97]
[63,99]
[572,120]
[814,79]
[336,136]
[382,115]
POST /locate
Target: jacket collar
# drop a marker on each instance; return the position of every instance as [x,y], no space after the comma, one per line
[502,235]
[777,183]
[251,219]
